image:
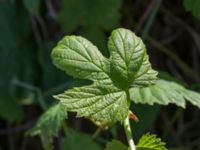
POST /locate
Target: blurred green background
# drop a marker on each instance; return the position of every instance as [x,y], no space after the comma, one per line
[29,29]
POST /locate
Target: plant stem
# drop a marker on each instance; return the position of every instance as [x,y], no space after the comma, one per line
[127,126]
[128,132]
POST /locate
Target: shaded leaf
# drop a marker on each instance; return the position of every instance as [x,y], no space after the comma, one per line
[49,124]
[101,13]
[116,145]
[92,20]
[9,109]
[78,141]
[32,6]
[193,7]
[11,46]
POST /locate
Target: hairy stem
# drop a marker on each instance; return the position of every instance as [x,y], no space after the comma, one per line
[128,132]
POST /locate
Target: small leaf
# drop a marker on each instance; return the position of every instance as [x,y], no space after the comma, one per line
[116,145]
[49,124]
[193,6]
[32,6]
[129,60]
[103,104]
[78,141]
[163,93]
[150,142]
[80,58]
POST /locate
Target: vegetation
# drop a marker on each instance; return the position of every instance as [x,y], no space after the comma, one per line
[112,86]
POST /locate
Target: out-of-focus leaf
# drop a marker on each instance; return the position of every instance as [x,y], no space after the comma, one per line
[116,145]
[78,141]
[32,6]
[96,36]
[92,16]
[9,109]
[14,29]
[49,124]
[193,6]
[101,13]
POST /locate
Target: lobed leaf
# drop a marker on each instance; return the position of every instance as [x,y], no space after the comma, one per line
[103,104]
[163,93]
[129,60]
[150,142]
[128,69]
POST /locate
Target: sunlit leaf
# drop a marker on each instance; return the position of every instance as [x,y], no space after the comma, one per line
[129,60]
[150,142]
[163,93]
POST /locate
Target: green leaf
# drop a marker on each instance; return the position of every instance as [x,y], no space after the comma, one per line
[127,71]
[12,19]
[150,142]
[116,145]
[193,6]
[79,58]
[102,14]
[32,6]
[163,93]
[94,18]
[78,141]
[129,60]
[49,124]
[103,104]
[7,107]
